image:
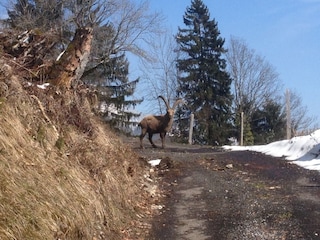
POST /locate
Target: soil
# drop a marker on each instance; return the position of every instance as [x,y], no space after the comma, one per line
[215,194]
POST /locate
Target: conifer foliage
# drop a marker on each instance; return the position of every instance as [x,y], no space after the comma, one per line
[108,71]
[203,80]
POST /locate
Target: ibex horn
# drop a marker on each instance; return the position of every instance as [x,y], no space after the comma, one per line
[165,101]
[177,102]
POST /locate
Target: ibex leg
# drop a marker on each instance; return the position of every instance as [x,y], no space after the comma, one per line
[143,133]
[150,139]
[162,136]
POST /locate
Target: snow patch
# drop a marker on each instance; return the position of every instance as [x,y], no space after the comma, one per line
[303,151]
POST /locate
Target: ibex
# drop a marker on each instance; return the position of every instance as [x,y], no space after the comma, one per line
[158,124]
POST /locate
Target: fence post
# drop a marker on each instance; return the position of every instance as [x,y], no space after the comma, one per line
[241,131]
[191,128]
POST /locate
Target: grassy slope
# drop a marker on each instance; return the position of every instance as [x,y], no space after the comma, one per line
[62,174]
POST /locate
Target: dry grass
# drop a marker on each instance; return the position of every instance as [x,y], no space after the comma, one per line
[62,174]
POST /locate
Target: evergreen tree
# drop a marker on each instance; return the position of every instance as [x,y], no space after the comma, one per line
[247,134]
[269,123]
[110,77]
[244,107]
[203,80]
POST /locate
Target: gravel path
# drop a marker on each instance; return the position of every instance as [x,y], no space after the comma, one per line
[234,195]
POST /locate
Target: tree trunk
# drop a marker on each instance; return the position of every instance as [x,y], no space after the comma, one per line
[72,63]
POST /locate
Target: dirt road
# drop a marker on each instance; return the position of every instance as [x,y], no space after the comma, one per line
[234,195]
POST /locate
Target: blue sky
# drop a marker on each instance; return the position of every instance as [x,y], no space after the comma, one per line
[285,32]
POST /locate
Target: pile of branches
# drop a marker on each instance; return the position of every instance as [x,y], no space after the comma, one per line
[32,51]
[31,55]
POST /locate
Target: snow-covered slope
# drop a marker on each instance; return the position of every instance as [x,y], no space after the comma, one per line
[303,150]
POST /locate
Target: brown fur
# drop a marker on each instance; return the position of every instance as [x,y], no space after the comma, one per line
[158,124]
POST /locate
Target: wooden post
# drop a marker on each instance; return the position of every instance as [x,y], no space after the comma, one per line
[241,131]
[191,128]
[288,113]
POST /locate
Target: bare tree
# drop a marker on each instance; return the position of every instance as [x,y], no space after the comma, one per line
[131,23]
[254,79]
[133,30]
[135,26]
[300,121]
[159,71]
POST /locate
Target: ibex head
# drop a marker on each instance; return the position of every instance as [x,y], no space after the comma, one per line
[170,111]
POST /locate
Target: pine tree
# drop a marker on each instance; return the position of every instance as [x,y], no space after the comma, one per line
[244,107]
[110,77]
[203,80]
[114,91]
[268,124]
[247,135]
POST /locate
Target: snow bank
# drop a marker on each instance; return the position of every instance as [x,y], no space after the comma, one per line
[303,151]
